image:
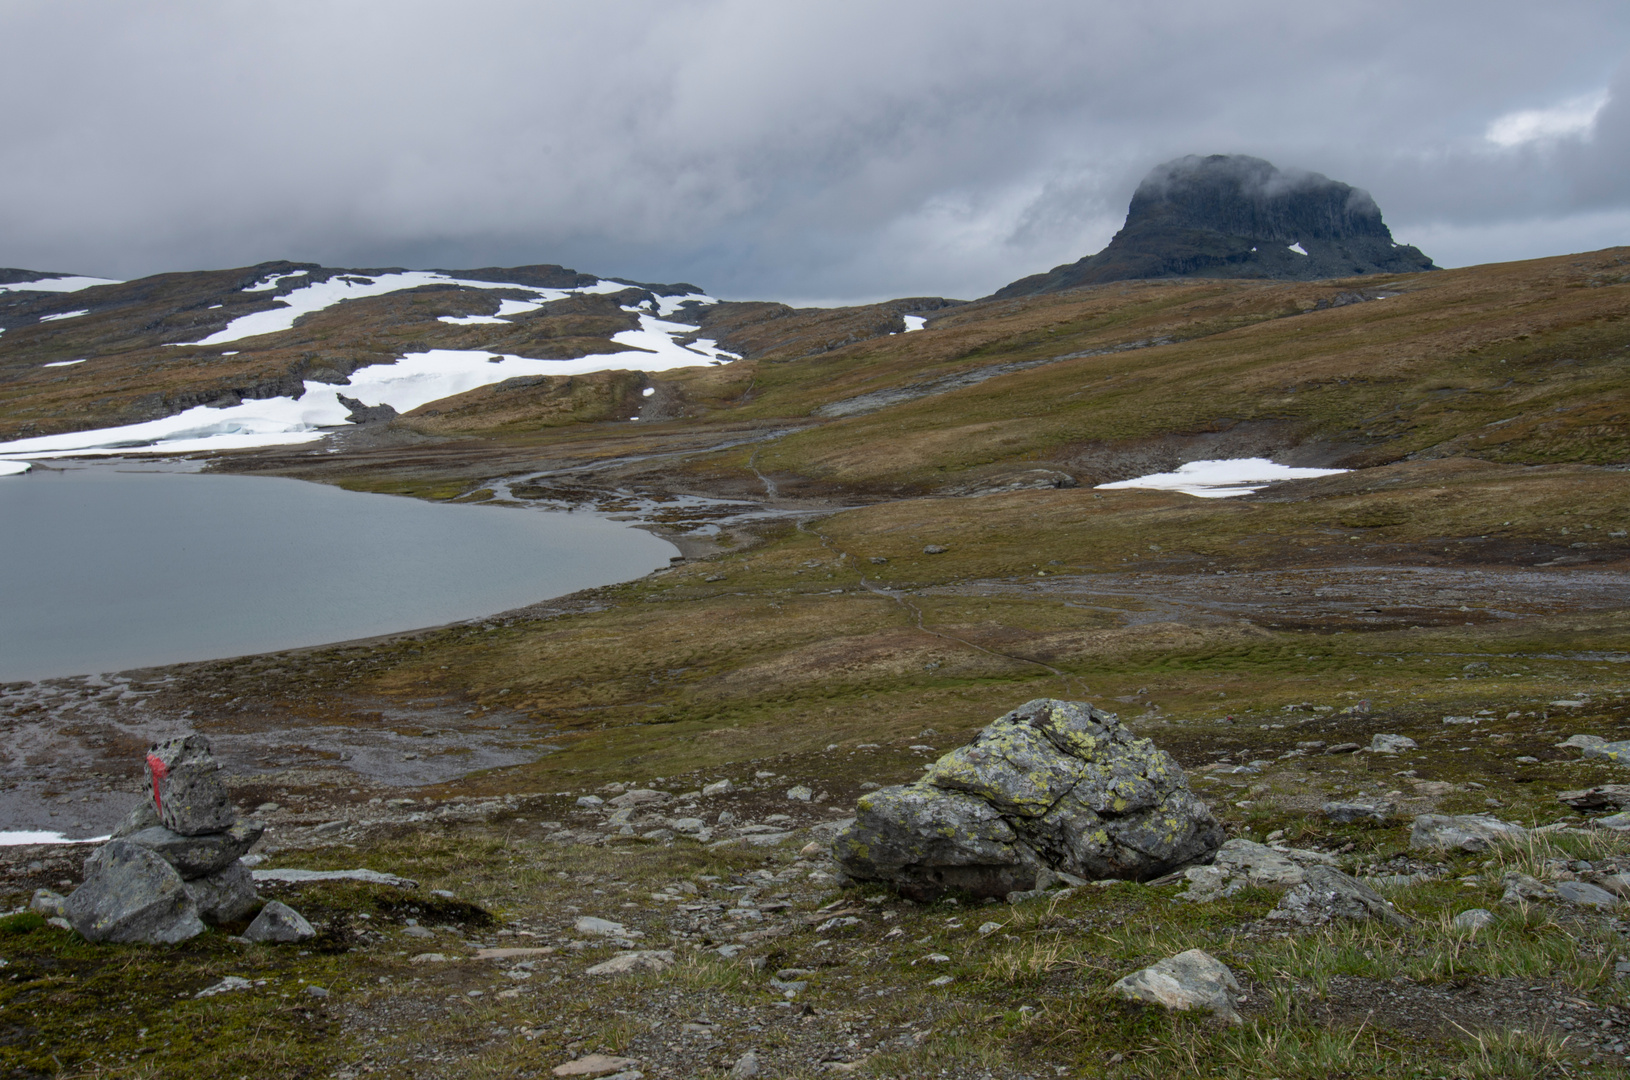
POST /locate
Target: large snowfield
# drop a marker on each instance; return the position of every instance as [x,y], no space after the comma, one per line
[1221,479]
[411,381]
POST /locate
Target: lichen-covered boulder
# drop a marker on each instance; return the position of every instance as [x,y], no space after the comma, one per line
[1053,785]
[186,786]
[130,895]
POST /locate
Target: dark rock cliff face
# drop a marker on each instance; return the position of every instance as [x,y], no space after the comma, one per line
[1238,217]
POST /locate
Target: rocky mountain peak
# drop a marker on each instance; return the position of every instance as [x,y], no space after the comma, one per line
[1235,216]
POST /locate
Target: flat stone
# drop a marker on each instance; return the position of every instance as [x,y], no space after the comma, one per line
[1392,744]
[292,876]
[186,786]
[1326,893]
[595,1065]
[1616,752]
[280,924]
[1187,981]
[590,801]
[628,963]
[1052,785]
[800,793]
[226,986]
[1473,919]
[1466,832]
[201,855]
[718,787]
[225,896]
[588,924]
[131,896]
[640,797]
[1585,894]
[1620,822]
[1345,813]
[1581,742]
[1600,797]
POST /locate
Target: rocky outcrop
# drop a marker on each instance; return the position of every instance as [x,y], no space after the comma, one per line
[1232,216]
[1053,786]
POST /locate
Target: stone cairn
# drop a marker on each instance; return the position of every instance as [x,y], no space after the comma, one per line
[175,863]
[1054,790]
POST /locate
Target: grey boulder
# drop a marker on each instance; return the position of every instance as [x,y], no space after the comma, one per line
[1326,893]
[279,924]
[1391,744]
[1466,832]
[1473,919]
[1051,786]
[1585,894]
[200,856]
[225,896]
[187,790]
[1189,980]
[130,895]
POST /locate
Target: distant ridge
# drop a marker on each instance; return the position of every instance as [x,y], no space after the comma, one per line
[1233,216]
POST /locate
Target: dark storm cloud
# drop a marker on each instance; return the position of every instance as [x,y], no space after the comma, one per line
[801,150]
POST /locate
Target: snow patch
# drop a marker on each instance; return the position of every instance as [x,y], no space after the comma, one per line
[15,839]
[1298,248]
[914,322]
[61,284]
[63,363]
[65,315]
[14,468]
[1221,479]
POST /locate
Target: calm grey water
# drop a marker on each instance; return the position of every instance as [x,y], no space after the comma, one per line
[110,567]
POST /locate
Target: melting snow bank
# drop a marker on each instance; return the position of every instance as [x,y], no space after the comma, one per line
[15,839]
[414,380]
[14,468]
[1219,479]
[60,284]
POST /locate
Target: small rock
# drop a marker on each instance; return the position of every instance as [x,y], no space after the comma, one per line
[1345,813]
[1189,980]
[1326,893]
[317,991]
[746,1066]
[130,895]
[590,801]
[988,928]
[1581,742]
[640,797]
[627,963]
[1473,919]
[226,896]
[278,923]
[143,817]
[225,986]
[185,782]
[1620,822]
[1586,895]
[1527,759]
[1617,884]
[1600,797]
[1392,744]
[943,980]
[1522,889]
[588,924]
[1343,748]
[417,932]
[595,1065]
[1616,752]
[935,549]
[800,793]
[718,787]
[50,904]
[1467,832]
[428,958]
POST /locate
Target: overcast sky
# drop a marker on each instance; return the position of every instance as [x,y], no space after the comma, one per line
[803,151]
